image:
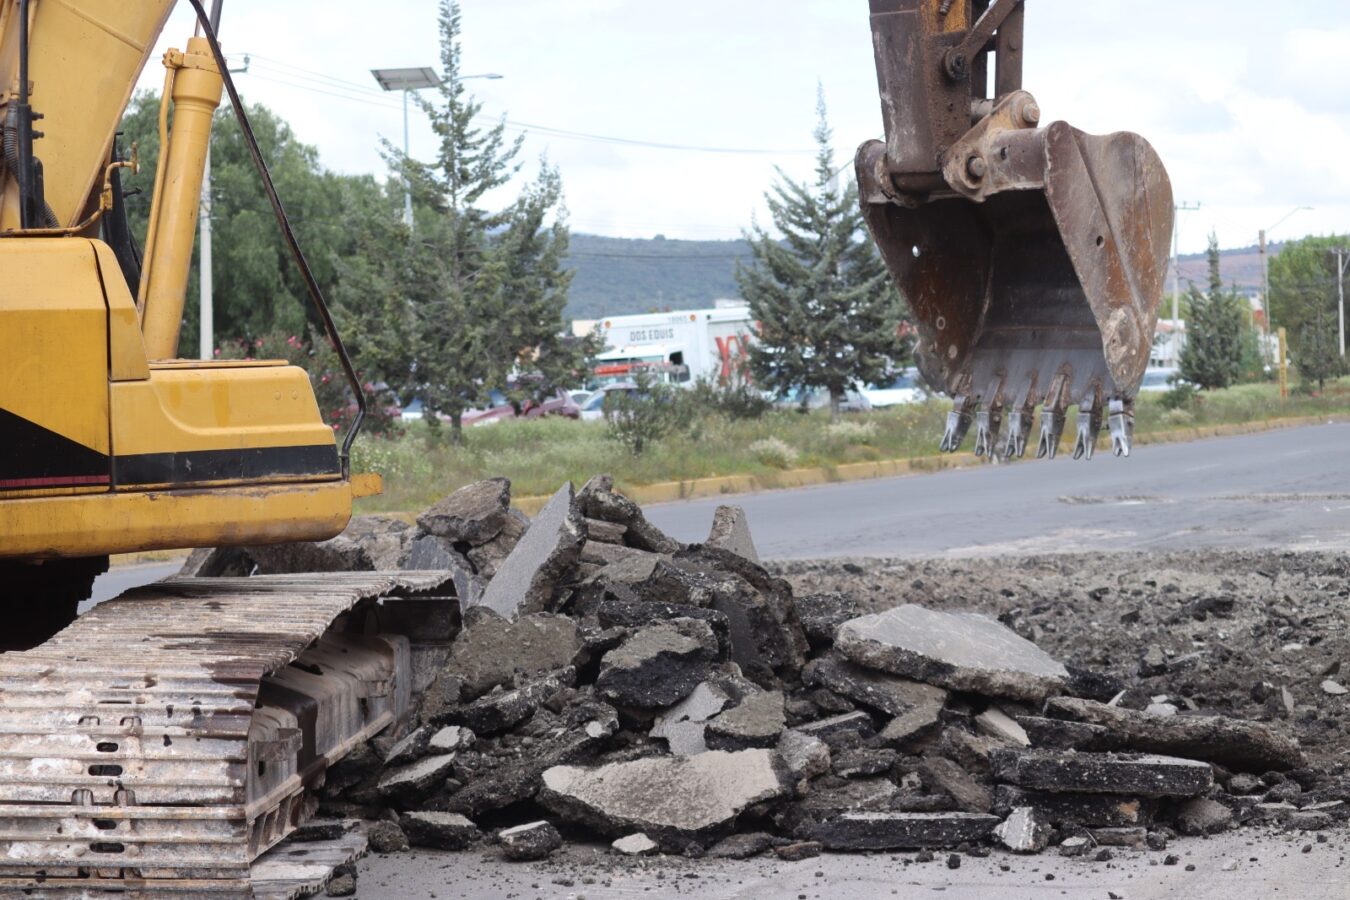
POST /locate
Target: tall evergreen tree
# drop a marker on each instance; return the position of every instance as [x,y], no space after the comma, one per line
[1215,331]
[1303,291]
[476,293]
[829,316]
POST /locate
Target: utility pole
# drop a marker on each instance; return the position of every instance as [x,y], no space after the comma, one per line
[1265,270]
[1176,276]
[1342,260]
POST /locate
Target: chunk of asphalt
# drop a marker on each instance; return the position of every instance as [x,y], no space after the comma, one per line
[885,830]
[474,514]
[492,651]
[1202,815]
[1134,838]
[1026,830]
[1233,743]
[756,722]
[863,762]
[1137,775]
[639,614]
[410,749]
[854,725]
[674,800]
[995,723]
[742,846]
[605,532]
[526,581]
[1062,734]
[597,500]
[502,710]
[956,650]
[682,726]
[451,738]
[800,818]
[954,781]
[410,783]
[886,693]
[487,558]
[1089,810]
[822,614]
[805,756]
[658,665]
[386,837]
[439,830]
[535,840]
[731,532]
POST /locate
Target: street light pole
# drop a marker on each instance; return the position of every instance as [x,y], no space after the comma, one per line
[1265,269]
[407,81]
[1342,260]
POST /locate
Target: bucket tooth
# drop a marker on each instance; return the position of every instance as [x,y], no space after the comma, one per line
[1122,427]
[958,423]
[988,424]
[1052,429]
[1089,427]
[1019,429]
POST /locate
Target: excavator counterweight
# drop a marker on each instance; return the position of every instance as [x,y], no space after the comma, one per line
[1033,258]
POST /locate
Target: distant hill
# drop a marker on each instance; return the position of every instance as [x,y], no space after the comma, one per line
[623,276]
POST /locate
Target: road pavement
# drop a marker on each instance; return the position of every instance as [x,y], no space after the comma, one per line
[1287,488]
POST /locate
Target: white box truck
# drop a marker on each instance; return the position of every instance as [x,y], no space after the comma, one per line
[679,347]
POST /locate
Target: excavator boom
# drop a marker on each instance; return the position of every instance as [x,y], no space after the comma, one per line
[1033,258]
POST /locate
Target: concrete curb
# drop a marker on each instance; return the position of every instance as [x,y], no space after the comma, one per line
[731,485]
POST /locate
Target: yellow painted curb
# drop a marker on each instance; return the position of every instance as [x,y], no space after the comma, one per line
[727,485]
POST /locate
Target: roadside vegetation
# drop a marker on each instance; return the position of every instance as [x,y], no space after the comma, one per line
[420,465]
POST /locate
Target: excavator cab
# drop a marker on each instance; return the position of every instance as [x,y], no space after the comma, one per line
[1033,258]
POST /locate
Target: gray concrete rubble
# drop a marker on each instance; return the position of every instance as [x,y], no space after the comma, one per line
[528,580]
[1026,830]
[673,800]
[533,840]
[960,651]
[731,532]
[473,515]
[683,699]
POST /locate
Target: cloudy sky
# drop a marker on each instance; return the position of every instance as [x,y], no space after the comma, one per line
[669,118]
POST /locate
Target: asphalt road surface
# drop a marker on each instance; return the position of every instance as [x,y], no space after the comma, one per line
[1287,488]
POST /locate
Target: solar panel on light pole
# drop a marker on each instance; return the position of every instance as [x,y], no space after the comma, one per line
[407,81]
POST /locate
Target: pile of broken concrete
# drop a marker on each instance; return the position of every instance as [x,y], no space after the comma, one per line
[597,679]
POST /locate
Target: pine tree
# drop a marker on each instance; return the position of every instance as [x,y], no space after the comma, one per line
[1319,354]
[828,313]
[483,290]
[1215,338]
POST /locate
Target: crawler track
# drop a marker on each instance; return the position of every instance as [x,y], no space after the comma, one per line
[169,737]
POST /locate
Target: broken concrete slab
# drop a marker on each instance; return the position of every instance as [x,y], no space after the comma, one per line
[882,691]
[658,665]
[1089,810]
[1026,830]
[885,830]
[439,830]
[1201,815]
[639,614]
[487,558]
[1233,743]
[429,553]
[501,710]
[731,532]
[756,721]
[956,650]
[535,840]
[492,651]
[822,614]
[410,783]
[805,756]
[673,800]
[948,777]
[528,578]
[682,725]
[635,845]
[1137,775]
[474,514]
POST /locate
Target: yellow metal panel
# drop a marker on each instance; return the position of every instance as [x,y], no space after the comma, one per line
[85,56]
[212,407]
[127,351]
[54,527]
[957,17]
[54,338]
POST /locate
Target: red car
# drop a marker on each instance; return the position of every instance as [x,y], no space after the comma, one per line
[560,404]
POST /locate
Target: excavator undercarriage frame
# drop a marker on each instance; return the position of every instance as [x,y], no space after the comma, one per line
[1033,258]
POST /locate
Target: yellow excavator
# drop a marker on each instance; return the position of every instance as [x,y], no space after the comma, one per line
[166,739]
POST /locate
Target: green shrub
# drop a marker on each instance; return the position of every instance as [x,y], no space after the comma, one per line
[647,415]
[1181,396]
[774,452]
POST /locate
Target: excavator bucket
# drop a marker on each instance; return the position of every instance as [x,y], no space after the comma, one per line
[1034,260]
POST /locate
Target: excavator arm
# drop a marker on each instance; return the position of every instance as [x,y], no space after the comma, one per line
[1033,257]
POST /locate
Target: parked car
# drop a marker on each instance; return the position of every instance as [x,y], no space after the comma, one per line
[904,387]
[819,398]
[580,397]
[1158,380]
[594,407]
[501,409]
